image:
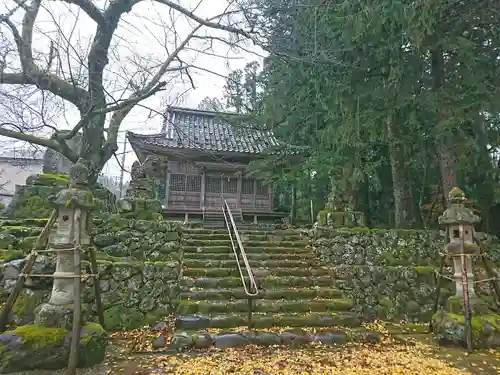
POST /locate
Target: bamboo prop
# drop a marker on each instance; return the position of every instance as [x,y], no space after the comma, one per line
[465,290]
[95,271]
[490,272]
[77,308]
[40,244]
[439,280]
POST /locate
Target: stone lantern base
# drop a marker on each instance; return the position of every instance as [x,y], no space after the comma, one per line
[54,316]
[449,324]
[35,347]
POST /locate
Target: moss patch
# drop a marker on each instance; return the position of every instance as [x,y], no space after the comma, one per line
[37,336]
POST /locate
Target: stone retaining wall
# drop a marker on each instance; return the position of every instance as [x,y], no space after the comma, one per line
[391,273]
[139,265]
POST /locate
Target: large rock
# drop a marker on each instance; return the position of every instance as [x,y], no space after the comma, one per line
[33,347]
[449,329]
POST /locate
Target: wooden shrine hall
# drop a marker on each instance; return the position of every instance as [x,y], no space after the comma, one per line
[207,162]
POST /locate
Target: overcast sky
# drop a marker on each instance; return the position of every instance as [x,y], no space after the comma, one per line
[139,41]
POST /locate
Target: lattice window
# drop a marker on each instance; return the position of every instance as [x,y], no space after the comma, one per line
[213,184]
[230,185]
[160,190]
[178,182]
[193,183]
[247,186]
[261,188]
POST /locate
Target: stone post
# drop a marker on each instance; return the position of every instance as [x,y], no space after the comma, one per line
[58,311]
[460,220]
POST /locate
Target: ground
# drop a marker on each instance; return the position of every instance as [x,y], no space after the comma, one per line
[418,354]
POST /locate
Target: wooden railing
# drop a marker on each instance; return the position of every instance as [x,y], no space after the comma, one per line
[250,286]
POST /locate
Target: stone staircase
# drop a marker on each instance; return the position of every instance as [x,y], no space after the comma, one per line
[215,219]
[295,291]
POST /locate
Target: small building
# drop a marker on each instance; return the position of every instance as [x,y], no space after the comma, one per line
[14,170]
[207,159]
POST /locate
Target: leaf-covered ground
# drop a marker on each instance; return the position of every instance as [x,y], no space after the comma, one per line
[416,356]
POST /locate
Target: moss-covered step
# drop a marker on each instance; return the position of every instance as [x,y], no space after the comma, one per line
[35,222]
[21,231]
[304,256]
[267,320]
[189,231]
[6,255]
[268,282]
[283,263]
[33,347]
[272,237]
[209,249]
[247,244]
[187,307]
[258,272]
[186,340]
[239,293]
[449,329]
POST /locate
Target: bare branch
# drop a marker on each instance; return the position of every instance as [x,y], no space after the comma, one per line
[88,7]
[32,74]
[6,16]
[206,22]
[113,108]
[28,137]
[50,82]
[98,55]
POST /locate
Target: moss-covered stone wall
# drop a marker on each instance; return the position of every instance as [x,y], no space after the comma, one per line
[33,200]
[390,274]
[139,264]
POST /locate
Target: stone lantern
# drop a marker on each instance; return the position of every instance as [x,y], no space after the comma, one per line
[460,220]
[72,227]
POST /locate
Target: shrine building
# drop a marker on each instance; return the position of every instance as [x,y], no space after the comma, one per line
[207,160]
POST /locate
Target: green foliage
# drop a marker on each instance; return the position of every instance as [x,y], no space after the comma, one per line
[388,100]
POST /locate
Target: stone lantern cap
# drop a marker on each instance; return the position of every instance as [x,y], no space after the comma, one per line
[457,213]
[77,195]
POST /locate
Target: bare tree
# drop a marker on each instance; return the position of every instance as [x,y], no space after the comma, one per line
[101,77]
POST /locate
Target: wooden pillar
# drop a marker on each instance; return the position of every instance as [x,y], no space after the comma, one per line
[238,191]
[254,204]
[271,197]
[167,188]
[202,194]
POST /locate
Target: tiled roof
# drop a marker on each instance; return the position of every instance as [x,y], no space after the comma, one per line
[206,131]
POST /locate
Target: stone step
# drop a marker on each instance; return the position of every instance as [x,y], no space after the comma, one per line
[187,307]
[246,236]
[186,340]
[231,263]
[258,272]
[270,294]
[257,231]
[229,250]
[247,244]
[251,256]
[266,320]
[268,282]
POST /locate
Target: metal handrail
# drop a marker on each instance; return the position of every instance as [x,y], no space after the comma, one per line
[251,290]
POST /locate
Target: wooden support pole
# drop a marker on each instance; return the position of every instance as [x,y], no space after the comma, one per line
[77,308]
[40,243]
[97,289]
[465,290]
[490,272]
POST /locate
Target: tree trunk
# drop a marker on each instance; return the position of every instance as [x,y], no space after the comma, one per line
[444,142]
[403,200]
